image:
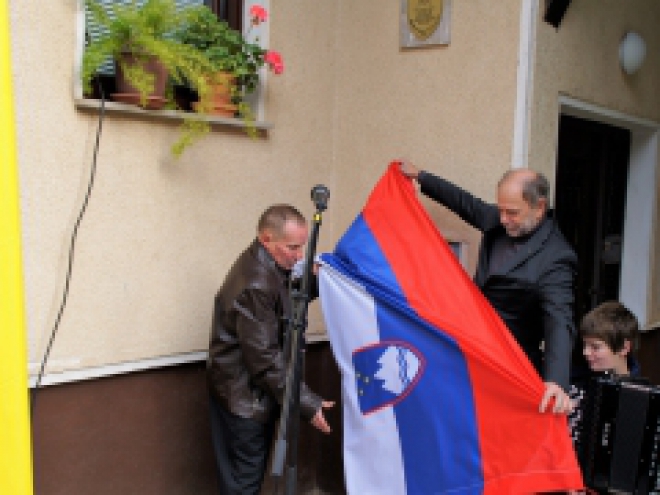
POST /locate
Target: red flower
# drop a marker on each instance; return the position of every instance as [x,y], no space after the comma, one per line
[258,14]
[274,60]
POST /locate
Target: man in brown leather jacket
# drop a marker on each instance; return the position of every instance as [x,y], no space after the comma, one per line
[246,366]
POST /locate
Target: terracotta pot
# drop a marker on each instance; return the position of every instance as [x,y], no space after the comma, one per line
[221,90]
[220,109]
[151,64]
[221,85]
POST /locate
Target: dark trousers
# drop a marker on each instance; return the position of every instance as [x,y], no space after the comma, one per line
[241,448]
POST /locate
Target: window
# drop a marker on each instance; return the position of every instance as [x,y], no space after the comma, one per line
[460,251]
[227,10]
[232,11]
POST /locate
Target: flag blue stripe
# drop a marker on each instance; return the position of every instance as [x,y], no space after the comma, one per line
[436,420]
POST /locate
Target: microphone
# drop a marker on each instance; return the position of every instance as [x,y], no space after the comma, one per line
[320,196]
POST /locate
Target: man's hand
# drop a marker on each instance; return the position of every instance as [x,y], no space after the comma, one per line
[562,402]
[318,421]
[408,169]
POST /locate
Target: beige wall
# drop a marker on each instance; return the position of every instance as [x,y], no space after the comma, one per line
[580,60]
[159,234]
[449,109]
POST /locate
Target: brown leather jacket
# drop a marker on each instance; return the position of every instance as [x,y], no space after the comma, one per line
[246,367]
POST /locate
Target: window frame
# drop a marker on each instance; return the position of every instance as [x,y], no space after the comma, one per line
[256,99]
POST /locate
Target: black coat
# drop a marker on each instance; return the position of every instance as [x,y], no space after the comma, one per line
[534,291]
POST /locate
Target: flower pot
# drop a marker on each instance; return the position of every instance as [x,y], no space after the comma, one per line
[219,109]
[222,87]
[127,92]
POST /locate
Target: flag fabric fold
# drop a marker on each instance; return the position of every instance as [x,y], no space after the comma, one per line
[438,397]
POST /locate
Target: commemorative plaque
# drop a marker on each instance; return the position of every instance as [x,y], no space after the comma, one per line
[425,22]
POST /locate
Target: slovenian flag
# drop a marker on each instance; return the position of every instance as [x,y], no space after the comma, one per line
[438,397]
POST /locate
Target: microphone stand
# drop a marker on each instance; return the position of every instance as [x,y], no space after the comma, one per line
[286,444]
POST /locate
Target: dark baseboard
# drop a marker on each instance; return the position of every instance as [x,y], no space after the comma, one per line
[148,433]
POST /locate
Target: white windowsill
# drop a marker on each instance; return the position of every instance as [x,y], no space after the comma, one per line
[176,115]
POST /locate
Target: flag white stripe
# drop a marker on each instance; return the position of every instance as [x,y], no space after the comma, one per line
[350,317]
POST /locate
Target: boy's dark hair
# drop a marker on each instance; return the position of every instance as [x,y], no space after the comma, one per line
[612,323]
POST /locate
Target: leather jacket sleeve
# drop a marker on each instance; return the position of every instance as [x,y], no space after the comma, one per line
[258,326]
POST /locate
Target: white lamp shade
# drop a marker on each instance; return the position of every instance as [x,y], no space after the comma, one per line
[632,52]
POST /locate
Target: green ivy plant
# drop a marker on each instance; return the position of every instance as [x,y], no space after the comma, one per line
[147,30]
[229,50]
[191,43]
[226,48]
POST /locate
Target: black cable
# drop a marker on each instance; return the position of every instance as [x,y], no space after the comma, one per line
[72,244]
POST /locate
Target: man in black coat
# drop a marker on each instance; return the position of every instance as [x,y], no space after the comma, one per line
[526,269]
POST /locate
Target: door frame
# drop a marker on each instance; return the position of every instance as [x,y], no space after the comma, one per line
[641,197]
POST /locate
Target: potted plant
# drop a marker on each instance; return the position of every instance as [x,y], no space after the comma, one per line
[138,38]
[235,59]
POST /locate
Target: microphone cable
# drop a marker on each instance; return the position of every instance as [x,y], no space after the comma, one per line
[74,236]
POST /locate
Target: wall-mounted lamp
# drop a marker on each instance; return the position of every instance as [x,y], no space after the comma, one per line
[632,52]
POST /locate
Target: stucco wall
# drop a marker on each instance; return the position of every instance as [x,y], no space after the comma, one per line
[580,60]
[159,234]
[449,109]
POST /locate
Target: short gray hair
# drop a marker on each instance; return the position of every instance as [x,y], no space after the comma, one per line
[276,216]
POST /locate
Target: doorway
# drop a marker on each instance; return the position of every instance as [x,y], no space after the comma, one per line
[590,202]
[629,258]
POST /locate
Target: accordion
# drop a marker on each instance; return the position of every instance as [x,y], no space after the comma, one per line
[617,433]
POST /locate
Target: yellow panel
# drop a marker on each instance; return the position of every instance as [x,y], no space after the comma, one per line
[15,454]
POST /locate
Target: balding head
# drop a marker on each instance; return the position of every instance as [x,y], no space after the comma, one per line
[522,198]
[533,185]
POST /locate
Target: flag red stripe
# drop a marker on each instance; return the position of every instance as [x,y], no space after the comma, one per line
[521,449]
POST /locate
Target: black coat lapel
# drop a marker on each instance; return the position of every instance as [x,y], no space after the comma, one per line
[526,251]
